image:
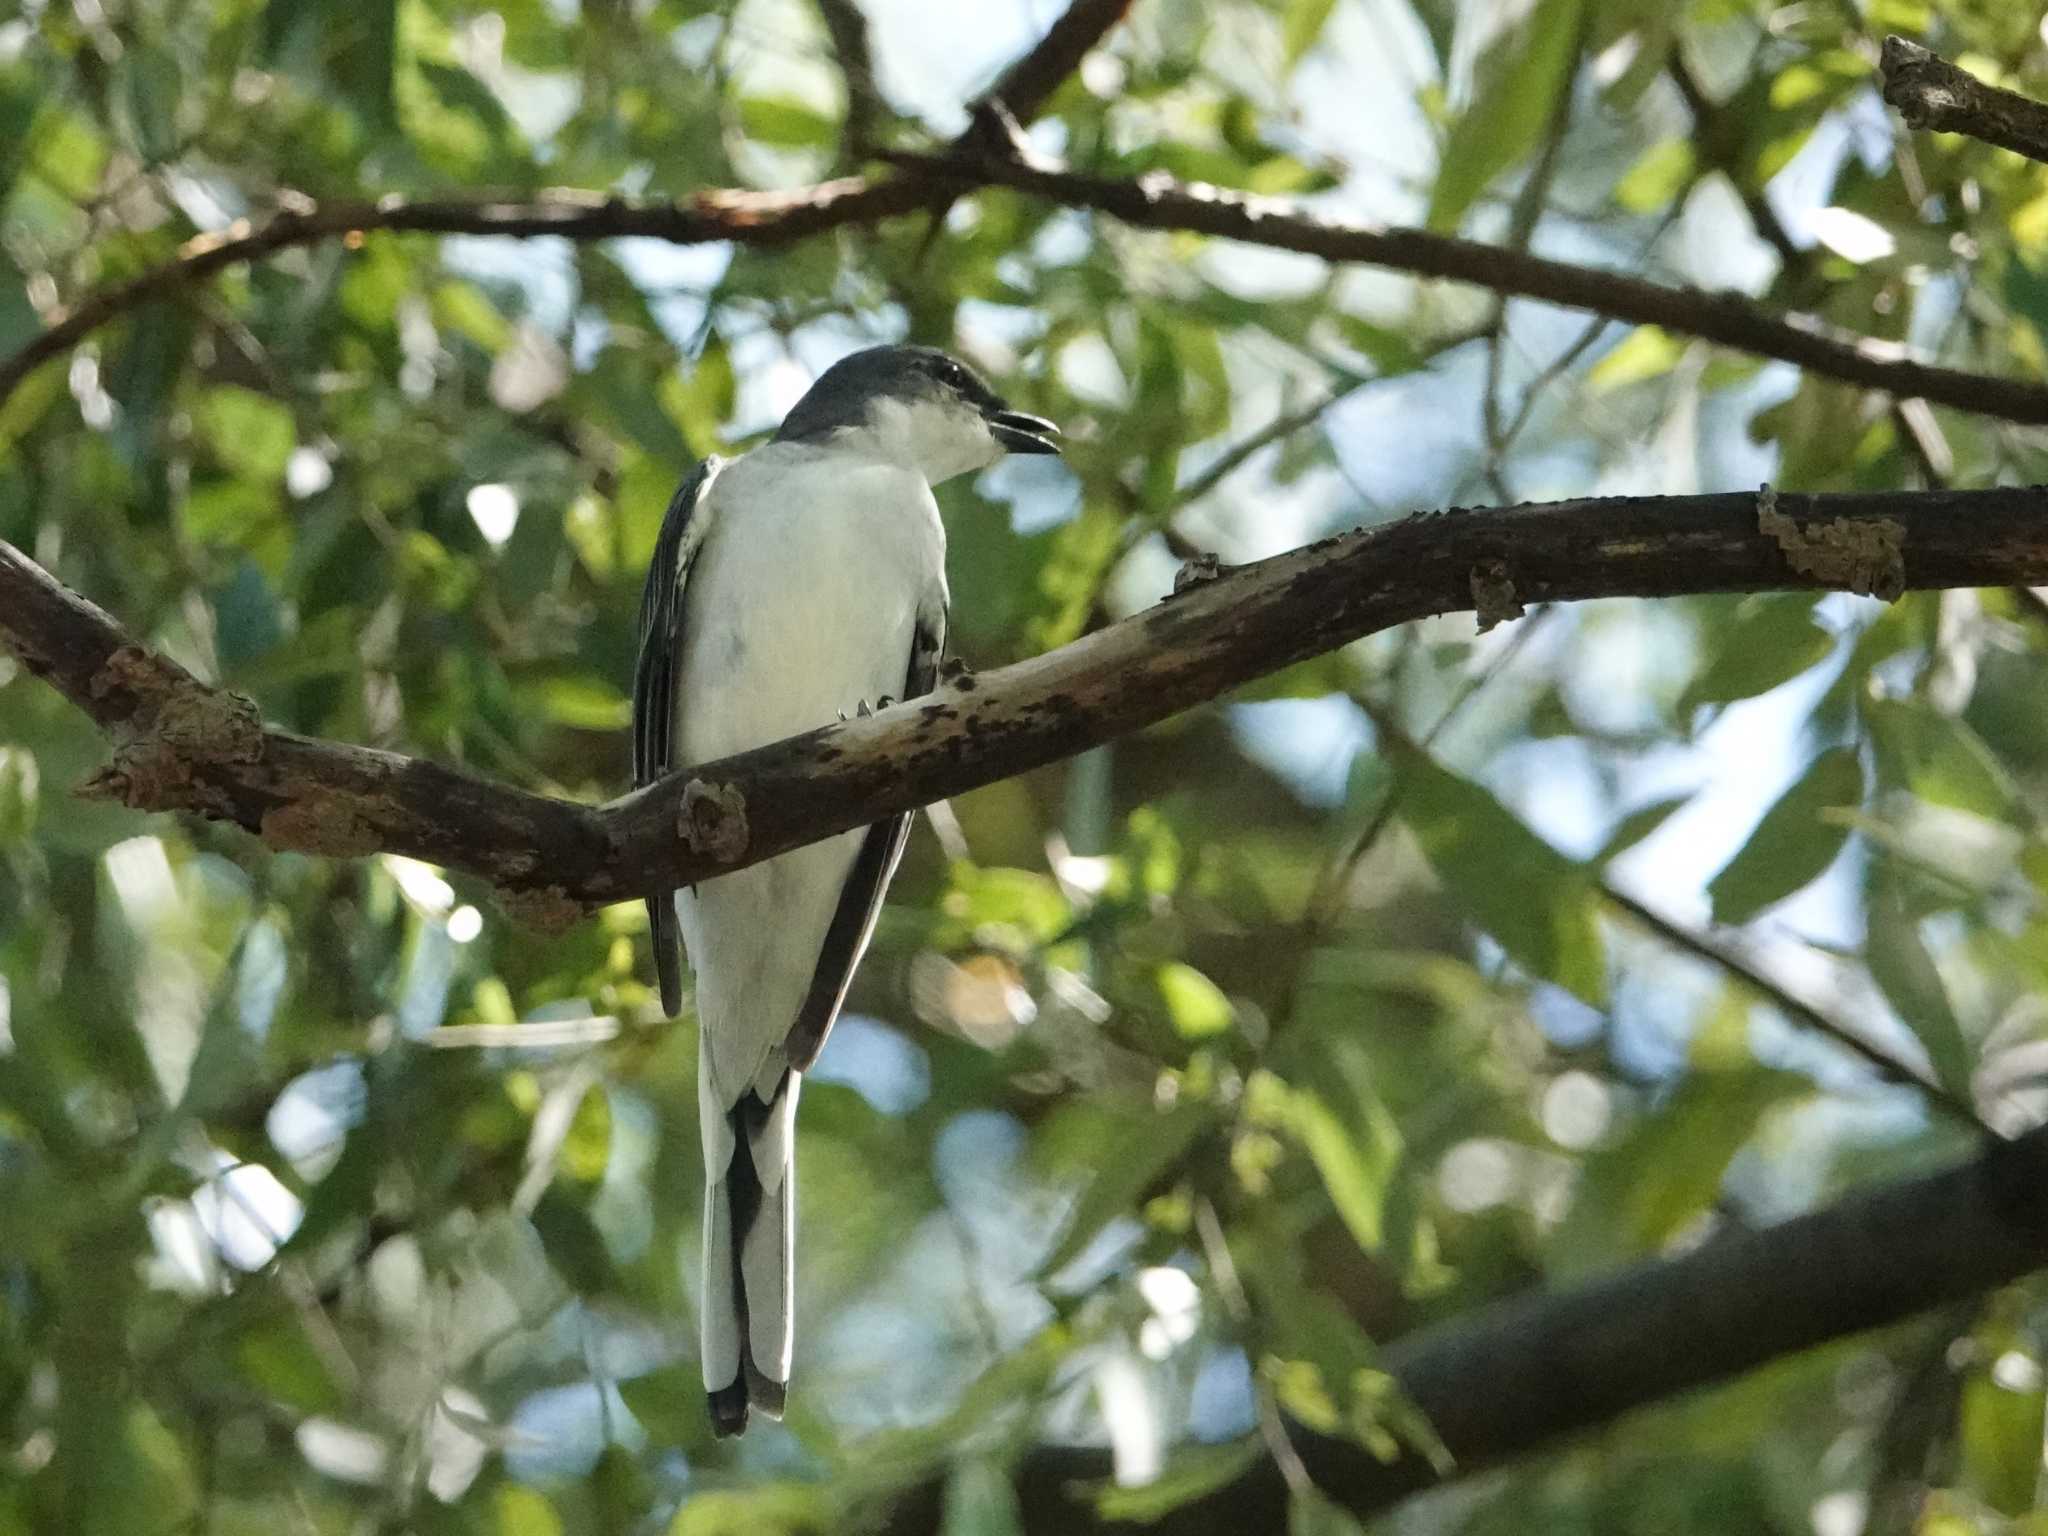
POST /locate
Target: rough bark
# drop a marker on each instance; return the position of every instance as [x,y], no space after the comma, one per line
[1934,96]
[180,746]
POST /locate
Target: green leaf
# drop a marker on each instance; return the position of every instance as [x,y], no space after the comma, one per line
[1638,825]
[153,87]
[588,703]
[1142,1150]
[1905,972]
[1647,352]
[1539,905]
[1515,93]
[1634,1197]
[761,1509]
[1660,173]
[33,396]
[1301,28]
[1794,843]
[1194,1472]
[1999,1431]
[1350,1137]
[1198,1007]
[786,123]
[1940,759]
[981,1501]
[524,1511]
[1772,639]
[250,433]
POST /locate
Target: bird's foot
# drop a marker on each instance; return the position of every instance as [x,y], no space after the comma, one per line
[955,673]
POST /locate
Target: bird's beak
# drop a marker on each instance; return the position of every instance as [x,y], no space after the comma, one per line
[1019,433]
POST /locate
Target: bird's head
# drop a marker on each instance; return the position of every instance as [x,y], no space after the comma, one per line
[916,406]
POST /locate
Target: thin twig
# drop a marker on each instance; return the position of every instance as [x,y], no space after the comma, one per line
[847,25]
[1725,958]
[928,181]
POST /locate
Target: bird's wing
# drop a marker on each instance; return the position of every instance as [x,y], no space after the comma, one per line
[683,528]
[860,899]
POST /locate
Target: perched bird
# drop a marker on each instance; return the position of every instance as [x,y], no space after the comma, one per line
[791,587]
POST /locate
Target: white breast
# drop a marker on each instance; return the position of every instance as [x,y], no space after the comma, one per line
[801,607]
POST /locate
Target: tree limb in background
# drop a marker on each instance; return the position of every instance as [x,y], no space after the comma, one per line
[847,26]
[1934,96]
[1028,84]
[183,746]
[1157,202]
[931,181]
[738,216]
[1523,1373]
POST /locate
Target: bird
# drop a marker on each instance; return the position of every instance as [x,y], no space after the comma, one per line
[792,586]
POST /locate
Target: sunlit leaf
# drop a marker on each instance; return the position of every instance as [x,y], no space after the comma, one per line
[1537,903]
[1516,89]
[1796,840]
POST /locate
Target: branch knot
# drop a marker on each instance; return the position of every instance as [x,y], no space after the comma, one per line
[713,820]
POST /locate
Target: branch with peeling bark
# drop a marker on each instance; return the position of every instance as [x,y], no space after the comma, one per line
[1934,96]
[182,746]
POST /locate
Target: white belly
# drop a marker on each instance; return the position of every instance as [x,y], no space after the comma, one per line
[801,607]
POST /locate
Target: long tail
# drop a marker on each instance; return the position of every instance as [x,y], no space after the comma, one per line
[749,1253]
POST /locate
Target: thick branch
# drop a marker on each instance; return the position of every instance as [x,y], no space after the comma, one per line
[927,181]
[324,797]
[1934,96]
[1523,1373]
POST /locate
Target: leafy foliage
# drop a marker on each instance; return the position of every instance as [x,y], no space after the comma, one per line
[1181,1076]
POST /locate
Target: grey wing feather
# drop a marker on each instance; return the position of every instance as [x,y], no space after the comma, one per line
[683,528]
[860,899]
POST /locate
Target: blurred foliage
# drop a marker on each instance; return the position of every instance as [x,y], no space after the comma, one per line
[1180,1076]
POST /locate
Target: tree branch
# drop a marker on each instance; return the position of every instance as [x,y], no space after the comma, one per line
[1528,1371]
[1028,84]
[182,746]
[930,181]
[741,218]
[847,26]
[1724,318]
[1932,95]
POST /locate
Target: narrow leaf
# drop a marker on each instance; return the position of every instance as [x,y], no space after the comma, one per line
[1795,841]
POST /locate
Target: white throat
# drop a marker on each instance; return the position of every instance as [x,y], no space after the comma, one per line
[937,439]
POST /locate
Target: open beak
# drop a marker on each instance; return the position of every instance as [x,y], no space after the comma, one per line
[1019,433]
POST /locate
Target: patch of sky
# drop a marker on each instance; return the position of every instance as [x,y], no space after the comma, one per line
[310,1118]
[559,1432]
[1402,440]
[933,56]
[1308,743]
[260,977]
[1358,97]
[978,1165]
[1222,1405]
[877,1062]
[429,970]
[674,279]
[542,269]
